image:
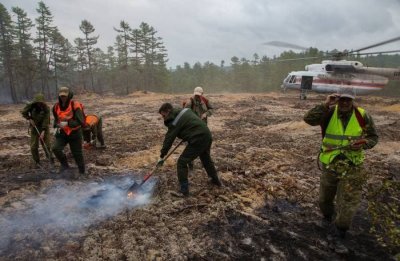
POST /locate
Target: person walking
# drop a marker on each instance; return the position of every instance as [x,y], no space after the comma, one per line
[347,131]
[37,113]
[69,120]
[201,106]
[184,124]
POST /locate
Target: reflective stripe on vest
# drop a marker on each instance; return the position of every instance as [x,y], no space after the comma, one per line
[336,136]
[179,116]
[67,115]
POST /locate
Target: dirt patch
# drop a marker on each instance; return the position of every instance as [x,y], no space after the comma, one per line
[266,156]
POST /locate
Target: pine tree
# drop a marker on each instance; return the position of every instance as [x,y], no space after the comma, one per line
[124,40]
[44,31]
[25,61]
[89,41]
[81,61]
[7,50]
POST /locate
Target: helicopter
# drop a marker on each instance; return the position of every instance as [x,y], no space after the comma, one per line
[330,76]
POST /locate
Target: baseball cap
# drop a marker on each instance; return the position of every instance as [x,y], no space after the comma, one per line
[64,91]
[347,92]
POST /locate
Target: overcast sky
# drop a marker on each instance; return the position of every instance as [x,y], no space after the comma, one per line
[214,30]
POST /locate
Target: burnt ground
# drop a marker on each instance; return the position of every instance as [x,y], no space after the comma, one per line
[267,210]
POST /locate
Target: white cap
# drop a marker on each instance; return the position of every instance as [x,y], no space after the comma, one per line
[198,91]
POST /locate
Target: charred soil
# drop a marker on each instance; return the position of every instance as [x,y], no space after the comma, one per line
[267,209]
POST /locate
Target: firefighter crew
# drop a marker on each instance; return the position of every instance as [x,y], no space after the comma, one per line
[69,120]
[184,124]
[347,131]
[201,106]
[38,114]
[93,131]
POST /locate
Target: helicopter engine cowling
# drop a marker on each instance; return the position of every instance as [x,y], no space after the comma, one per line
[339,68]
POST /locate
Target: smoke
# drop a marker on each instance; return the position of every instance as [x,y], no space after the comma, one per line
[68,207]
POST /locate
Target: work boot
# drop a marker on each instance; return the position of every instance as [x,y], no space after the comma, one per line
[102,146]
[37,165]
[216,181]
[326,221]
[63,168]
[82,173]
[184,189]
[190,166]
[336,239]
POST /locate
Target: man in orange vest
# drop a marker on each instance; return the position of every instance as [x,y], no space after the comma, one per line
[93,131]
[69,120]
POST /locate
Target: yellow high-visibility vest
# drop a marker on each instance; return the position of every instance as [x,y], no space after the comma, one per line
[337,136]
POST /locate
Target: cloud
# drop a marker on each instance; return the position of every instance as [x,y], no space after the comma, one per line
[207,30]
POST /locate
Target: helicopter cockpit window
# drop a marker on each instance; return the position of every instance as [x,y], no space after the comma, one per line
[292,79]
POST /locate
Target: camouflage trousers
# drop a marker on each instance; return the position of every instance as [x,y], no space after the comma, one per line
[34,143]
[341,180]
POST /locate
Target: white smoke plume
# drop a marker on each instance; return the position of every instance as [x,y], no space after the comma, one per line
[68,206]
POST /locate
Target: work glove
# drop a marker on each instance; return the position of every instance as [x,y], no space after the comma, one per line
[63,124]
[160,162]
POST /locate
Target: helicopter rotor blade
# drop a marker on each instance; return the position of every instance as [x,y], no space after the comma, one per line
[285,45]
[376,45]
[377,52]
[298,59]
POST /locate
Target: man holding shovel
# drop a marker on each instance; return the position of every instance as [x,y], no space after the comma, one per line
[186,125]
[37,113]
[347,131]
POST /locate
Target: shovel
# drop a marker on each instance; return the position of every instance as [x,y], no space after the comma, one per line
[134,189]
[44,146]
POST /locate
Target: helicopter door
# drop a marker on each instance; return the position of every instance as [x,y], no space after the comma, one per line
[306,82]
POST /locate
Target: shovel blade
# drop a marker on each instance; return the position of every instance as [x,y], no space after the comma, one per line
[133,190]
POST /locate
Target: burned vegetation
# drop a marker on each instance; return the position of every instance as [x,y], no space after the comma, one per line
[266,210]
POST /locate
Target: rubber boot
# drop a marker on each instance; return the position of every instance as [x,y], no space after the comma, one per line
[190,166]
[337,240]
[64,164]
[82,173]
[216,181]
[184,189]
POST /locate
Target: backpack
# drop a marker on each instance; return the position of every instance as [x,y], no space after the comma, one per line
[82,109]
[203,99]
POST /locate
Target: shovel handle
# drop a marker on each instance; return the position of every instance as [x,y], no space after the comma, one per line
[172,151]
[149,174]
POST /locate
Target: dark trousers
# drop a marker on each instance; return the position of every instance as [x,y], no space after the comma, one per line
[75,144]
[34,143]
[198,147]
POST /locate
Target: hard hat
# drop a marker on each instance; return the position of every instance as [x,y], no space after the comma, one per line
[64,91]
[347,92]
[198,91]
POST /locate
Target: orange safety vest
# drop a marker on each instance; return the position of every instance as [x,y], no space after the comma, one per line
[91,120]
[67,115]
